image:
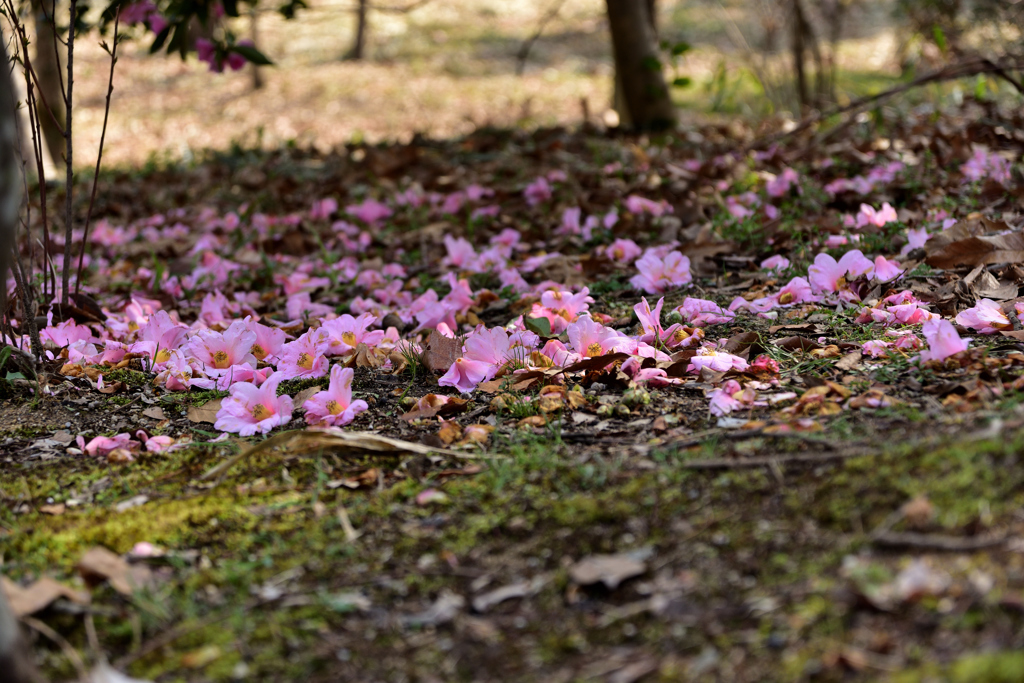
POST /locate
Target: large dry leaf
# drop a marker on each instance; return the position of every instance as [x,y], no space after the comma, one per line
[962,245]
[39,595]
[301,441]
[595,362]
[99,564]
[206,412]
[440,352]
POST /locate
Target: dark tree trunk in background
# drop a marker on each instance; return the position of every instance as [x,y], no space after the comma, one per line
[10,207]
[358,50]
[257,75]
[643,101]
[15,666]
[48,68]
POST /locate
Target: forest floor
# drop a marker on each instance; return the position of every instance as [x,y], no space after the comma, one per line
[869,524]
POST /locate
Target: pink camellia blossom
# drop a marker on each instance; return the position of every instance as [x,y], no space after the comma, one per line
[102,445]
[156,444]
[369,211]
[983,164]
[176,374]
[248,409]
[219,353]
[780,184]
[538,191]
[658,276]
[905,340]
[827,275]
[729,398]
[650,319]
[461,254]
[943,340]
[869,216]
[713,359]
[323,209]
[911,314]
[236,61]
[345,333]
[562,307]
[986,317]
[588,338]
[886,270]
[775,263]
[306,357]
[640,205]
[490,346]
[465,374]
[269,340]
[571,225]
[700,312]
[334,407]
[875,348]
[207,52]
[916,237]
[623,251]
[796,291]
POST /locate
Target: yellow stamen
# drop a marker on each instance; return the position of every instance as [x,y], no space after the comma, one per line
[258,351]
[260,412]
[333,408]
[594,350]
[221,360]
[305,361]
[786,298]
[349,338]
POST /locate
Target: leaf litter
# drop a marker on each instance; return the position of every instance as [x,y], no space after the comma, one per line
[545,339]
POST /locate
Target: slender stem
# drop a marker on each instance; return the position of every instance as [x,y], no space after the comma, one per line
[99,155]
[69,195]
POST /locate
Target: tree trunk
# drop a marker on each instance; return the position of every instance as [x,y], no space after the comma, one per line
[358,50]
[48,68]
[10,207]
[15,666]
[257,75]
[642,97]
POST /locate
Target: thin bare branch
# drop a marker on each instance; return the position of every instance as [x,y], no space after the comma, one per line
[99,155]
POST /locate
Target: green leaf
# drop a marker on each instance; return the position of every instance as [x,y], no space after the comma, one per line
[15,375]
[682,82]
[160,39]
[540,326]
[652,63]
[251,54]
[940,37]
[681,48]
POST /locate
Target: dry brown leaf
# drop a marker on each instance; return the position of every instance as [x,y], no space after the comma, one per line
[39,595]
[849,361]
[56,509]
[154,413]
[449,433]
[305,395]
[300,441]
[611,570]
[204,413]
[440,352]
[962,245]
[99,564]
[595,362]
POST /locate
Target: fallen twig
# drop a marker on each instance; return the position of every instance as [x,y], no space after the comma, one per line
[939,542]
[768,461]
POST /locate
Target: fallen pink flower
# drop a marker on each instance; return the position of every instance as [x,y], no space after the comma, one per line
[986,317]
[658,276]
[943,340]
[248,409]
[334,407]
